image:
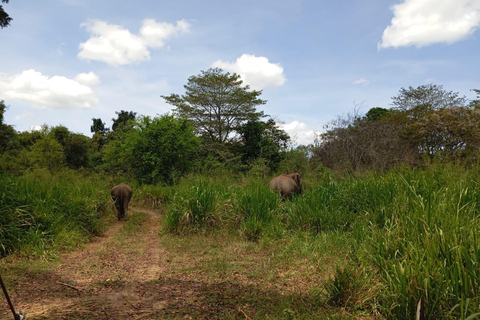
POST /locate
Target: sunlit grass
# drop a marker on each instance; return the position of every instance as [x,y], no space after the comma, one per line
[41,214]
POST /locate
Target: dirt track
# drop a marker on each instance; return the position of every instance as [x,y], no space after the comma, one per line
[132,273]
[111,278]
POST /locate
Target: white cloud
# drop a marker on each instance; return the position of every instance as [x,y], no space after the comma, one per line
[257,72]
[88,79]
[155,33]
[36,128]
[424,22]
[48,92]
[116,45]
[299,132]
[362,81]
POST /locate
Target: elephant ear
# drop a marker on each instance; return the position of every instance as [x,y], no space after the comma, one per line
[296,177]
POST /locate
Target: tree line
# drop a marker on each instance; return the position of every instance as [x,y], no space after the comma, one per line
[216,126]
[425,124]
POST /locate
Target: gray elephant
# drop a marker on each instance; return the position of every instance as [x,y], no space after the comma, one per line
[287,185]
[121,195]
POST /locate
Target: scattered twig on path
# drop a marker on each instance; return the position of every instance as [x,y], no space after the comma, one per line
[68,285]
[129,302]
[246,317]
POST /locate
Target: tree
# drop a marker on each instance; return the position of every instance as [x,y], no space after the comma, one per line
[123,118]
[4,17]
[7,133]
[417,102]
[217,104]
[377,113]
[61,134]
[77,151]
[98,126]
[75,146]
[47,153]
[476,103]
[263,140]
[449,133]
[158,149]
[355,143]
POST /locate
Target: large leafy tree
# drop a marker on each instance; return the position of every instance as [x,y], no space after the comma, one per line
[161,148]
[217,103]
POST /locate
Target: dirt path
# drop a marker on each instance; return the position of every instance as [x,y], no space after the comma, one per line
[132,272]
[107,279]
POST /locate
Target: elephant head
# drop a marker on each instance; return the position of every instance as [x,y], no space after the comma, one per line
[287,184]
[121,195]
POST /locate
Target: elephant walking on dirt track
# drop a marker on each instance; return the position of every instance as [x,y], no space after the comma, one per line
[121,195]
[287,184]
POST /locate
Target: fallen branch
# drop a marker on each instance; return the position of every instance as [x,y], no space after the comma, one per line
[68,285]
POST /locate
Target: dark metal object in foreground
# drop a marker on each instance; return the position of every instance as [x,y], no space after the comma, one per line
[16,316]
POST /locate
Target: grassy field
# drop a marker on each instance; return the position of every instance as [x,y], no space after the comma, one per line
[412,234]
[398,245]
[41,214]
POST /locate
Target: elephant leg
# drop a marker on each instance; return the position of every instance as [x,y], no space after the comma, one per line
[121,212]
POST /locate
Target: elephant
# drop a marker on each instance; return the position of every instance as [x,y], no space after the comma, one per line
[121,195]
[287,185]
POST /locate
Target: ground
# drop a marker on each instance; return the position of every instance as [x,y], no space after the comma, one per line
[135,272]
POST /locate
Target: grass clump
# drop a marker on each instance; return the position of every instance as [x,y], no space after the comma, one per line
[40,215]
[256,209]
[193,208]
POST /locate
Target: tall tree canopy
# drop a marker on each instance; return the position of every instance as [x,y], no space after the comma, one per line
[123,117]
[263,140]
[417,102]
[159,148]
[4,17]
[217,104]
[98,126]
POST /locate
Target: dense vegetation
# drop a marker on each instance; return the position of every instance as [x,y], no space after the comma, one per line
[399,186]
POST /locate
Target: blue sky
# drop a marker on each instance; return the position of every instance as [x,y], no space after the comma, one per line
[68,61]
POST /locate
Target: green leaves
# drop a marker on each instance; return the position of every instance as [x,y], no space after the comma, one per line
[159,148]
[217,104]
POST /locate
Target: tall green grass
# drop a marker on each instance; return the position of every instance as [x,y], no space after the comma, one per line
[193,207]
[39,214]
[428,252]
[256,208]
[415,233]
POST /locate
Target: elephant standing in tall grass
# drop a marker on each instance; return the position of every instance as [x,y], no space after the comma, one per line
[287,185]
[121,195]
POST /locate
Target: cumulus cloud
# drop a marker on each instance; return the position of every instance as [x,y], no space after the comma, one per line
[88,79]
[155,33]
[257,72]
[299,132]
[49,92]
[116,45]
[424,22]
